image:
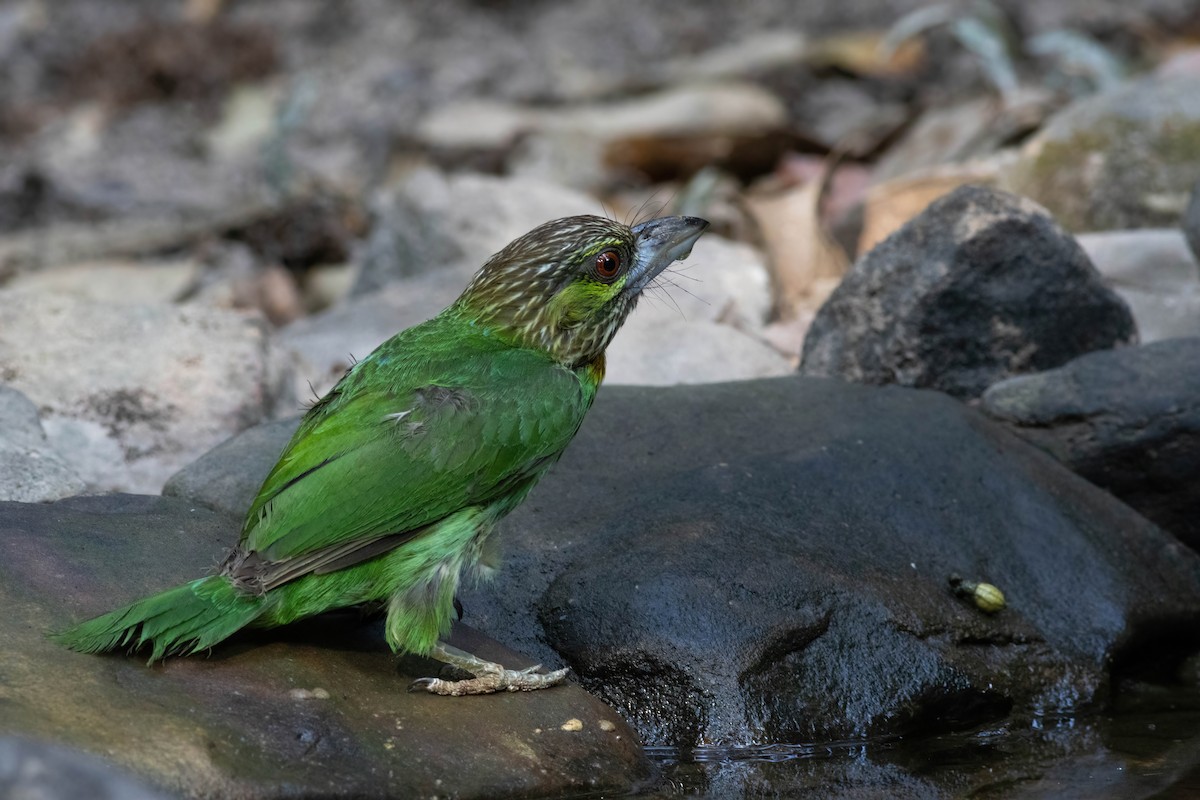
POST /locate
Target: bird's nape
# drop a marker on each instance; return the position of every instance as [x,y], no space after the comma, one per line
[567,286]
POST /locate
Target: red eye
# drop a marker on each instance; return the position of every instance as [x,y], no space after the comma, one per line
[608,264]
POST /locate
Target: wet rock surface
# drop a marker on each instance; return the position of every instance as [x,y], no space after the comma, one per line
[1127,420]
[318,709]
[784,576]
[980,286]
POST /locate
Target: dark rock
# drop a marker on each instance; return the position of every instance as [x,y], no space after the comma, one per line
[1127,420]
[40,771]
[1191,221]
[768,561]
[318,709]
[784,577]
[980,286]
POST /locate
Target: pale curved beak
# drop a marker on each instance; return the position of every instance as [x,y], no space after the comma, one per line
[659,244]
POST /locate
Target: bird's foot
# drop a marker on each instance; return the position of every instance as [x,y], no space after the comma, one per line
[489,676]
[502,680]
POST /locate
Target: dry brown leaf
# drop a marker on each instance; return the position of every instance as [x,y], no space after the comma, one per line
[860,53]
[806,264]
[202,11]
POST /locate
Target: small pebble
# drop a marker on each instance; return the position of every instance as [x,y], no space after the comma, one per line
[607,726]
[573,725]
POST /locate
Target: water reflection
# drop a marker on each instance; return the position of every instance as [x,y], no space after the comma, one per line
[1149,747]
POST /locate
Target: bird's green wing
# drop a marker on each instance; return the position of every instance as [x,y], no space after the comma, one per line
[412,434]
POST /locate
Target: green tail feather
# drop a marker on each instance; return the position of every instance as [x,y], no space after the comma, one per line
[179,621]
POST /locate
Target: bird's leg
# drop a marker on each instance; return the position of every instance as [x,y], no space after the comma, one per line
[489,676]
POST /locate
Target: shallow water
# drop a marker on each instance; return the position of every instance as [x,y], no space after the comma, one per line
[1148,747]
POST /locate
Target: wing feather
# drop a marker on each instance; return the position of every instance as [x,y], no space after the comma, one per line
[385,453]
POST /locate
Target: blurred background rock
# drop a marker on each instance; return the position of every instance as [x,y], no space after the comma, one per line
[330,172]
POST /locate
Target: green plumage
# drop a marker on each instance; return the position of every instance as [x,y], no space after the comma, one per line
[392,483]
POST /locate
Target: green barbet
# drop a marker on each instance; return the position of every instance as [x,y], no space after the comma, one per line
[395,479]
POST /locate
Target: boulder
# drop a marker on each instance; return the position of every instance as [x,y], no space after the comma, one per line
[1124,158]
[30,469]
[1127,420]
[769,561]
[318,709]
[130,394]
[980,286]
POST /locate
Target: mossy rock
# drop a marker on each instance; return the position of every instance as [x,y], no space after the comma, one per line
[1123,159]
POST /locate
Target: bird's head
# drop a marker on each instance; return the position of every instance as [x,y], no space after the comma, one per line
[566,286]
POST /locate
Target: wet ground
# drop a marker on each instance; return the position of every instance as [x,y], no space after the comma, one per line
[1148,747]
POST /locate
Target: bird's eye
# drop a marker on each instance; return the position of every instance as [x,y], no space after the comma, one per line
[608,264]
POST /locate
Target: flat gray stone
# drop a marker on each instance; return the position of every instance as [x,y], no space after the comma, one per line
[1155,273]
[1149,259]
[227,478]
[128,398]
[329,342]
[30,469]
